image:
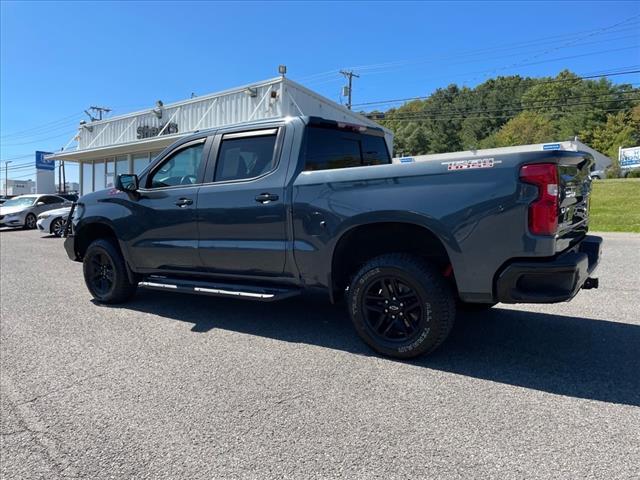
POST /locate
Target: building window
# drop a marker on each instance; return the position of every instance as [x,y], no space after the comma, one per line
[99,177]
[87,178]
[111,173]
[122,164]
[140,161]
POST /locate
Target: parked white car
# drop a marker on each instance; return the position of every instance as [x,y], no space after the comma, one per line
[54,221]
[23,211]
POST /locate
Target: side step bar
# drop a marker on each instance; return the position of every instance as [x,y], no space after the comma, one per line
[245,292]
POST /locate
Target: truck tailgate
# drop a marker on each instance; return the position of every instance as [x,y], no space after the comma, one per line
[574,197]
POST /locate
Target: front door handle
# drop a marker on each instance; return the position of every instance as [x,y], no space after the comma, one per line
[183,202]
[266,197]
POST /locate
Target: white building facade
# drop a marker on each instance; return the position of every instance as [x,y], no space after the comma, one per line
[18,187]
[127,143]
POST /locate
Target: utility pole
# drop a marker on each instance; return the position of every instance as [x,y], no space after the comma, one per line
[6,178]
[64,178]
[99,111]
[346,91]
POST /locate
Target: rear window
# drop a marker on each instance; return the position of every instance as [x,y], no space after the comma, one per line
[329,148]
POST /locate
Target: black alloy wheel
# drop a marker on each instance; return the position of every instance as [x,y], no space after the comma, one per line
[106,273]
[392,309]
[101,273]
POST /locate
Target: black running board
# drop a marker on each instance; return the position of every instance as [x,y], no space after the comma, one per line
[245,292]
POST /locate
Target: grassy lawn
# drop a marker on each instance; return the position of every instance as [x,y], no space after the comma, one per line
[615,205]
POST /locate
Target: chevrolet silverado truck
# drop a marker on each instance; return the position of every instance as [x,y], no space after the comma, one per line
[268,210]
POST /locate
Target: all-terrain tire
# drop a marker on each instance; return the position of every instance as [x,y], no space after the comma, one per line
[105,273]
[431,297]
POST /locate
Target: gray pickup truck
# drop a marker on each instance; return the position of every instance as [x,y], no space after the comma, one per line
[267,210]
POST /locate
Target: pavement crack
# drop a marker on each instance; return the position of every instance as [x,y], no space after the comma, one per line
[61,389]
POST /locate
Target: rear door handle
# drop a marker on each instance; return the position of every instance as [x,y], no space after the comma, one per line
[183,202]
[266,197]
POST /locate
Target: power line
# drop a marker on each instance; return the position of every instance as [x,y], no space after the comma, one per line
[539,82]
[553,40]
[476,55]
[596,95]
[419,118]
[514,109]
[65,134]
[42,126]
[17,158]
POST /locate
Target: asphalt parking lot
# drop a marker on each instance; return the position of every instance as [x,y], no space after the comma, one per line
[176,386]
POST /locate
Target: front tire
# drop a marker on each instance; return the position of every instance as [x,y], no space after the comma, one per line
[30,222]
[105,273]
[57,227]
[401,306]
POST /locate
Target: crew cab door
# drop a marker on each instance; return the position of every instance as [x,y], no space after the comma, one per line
[163,222]
[241,208]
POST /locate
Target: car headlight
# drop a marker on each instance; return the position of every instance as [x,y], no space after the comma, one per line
[43,216]
[11,216]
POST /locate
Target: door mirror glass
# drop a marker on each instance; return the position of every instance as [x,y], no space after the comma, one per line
[127,182]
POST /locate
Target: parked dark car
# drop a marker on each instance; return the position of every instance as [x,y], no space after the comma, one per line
[72,197]
[267,210]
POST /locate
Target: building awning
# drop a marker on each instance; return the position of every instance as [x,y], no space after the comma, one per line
[139,146]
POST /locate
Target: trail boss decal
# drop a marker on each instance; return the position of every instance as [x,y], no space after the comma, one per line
[468,164]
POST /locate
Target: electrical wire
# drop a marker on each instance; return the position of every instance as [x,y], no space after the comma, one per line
[539,82]
[628,23]
[44,126]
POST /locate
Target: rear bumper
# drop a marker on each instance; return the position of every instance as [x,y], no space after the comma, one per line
[550,280]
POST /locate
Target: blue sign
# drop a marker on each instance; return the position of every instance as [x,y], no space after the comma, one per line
[630,157]
[551,146]
[406,160]
[42,163]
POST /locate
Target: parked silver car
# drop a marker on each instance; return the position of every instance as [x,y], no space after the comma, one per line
[23,211]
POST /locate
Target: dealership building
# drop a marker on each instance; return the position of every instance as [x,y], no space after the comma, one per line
[127,143]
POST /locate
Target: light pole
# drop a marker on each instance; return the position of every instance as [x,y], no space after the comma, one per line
[6,183]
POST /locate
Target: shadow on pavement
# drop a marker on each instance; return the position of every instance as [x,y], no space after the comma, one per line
[578,357]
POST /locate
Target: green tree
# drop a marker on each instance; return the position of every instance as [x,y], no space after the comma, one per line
[621,130]
[525,128]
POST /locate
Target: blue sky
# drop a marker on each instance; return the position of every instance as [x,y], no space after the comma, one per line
[58,58]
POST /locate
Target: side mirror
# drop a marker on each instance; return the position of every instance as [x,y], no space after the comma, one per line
[127,182]
[39,204]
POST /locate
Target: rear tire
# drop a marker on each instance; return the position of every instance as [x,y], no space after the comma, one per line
[401,306]
[30,222]
[105,273]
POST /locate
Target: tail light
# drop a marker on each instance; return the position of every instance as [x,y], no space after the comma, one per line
[543,211]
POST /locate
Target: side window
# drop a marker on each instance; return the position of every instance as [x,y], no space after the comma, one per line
[374,150]
[332,148]
[328,149]
[245,156]
[181,168]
